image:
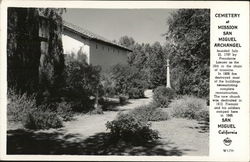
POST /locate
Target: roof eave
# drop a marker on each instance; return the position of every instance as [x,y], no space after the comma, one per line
[87,37]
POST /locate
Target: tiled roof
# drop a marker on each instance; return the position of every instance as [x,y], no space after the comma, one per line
[90,35]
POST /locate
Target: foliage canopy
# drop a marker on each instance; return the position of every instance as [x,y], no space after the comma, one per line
[189,41]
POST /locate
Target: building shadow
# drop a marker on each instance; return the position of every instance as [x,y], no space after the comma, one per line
[23,141]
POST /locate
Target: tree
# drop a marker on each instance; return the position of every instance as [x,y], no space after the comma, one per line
[132,55]
[157,66]
[23,49]
[189,36]
[141,53]
[35,64]
[150,60]
[127,41]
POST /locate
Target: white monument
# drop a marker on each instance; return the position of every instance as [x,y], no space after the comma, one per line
[168,75]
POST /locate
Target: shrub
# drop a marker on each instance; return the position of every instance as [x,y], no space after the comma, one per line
[150,113]
[38,119]
[143,112]
[123,99]
[23,108]
[19,105]
[130,128]
[108,85]
[128,80]
[187,107]
[202,115]
[159,115]
[163,96]
[136,93]
[64,110]
[82,82]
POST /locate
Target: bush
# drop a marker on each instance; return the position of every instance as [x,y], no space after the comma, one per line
[202,115]
[123,99]
[142,112]
[64,110]
[129,80]
[23,108]
[159,115]
[19,105]
[150,113]
[82,82]
[108,85]
[188,107]
[38,119]
[136,93]
[130,128]
[163,96]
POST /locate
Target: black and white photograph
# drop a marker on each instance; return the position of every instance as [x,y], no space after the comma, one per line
[108,81]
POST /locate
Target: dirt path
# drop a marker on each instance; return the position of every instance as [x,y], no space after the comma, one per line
[88,125]
[87,135]
[190,136]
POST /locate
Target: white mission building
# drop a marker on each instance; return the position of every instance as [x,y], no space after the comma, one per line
[97,50]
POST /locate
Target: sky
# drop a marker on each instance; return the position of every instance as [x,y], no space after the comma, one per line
[144,25]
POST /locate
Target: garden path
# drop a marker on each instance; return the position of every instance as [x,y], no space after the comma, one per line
[87,135]
[88,125]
